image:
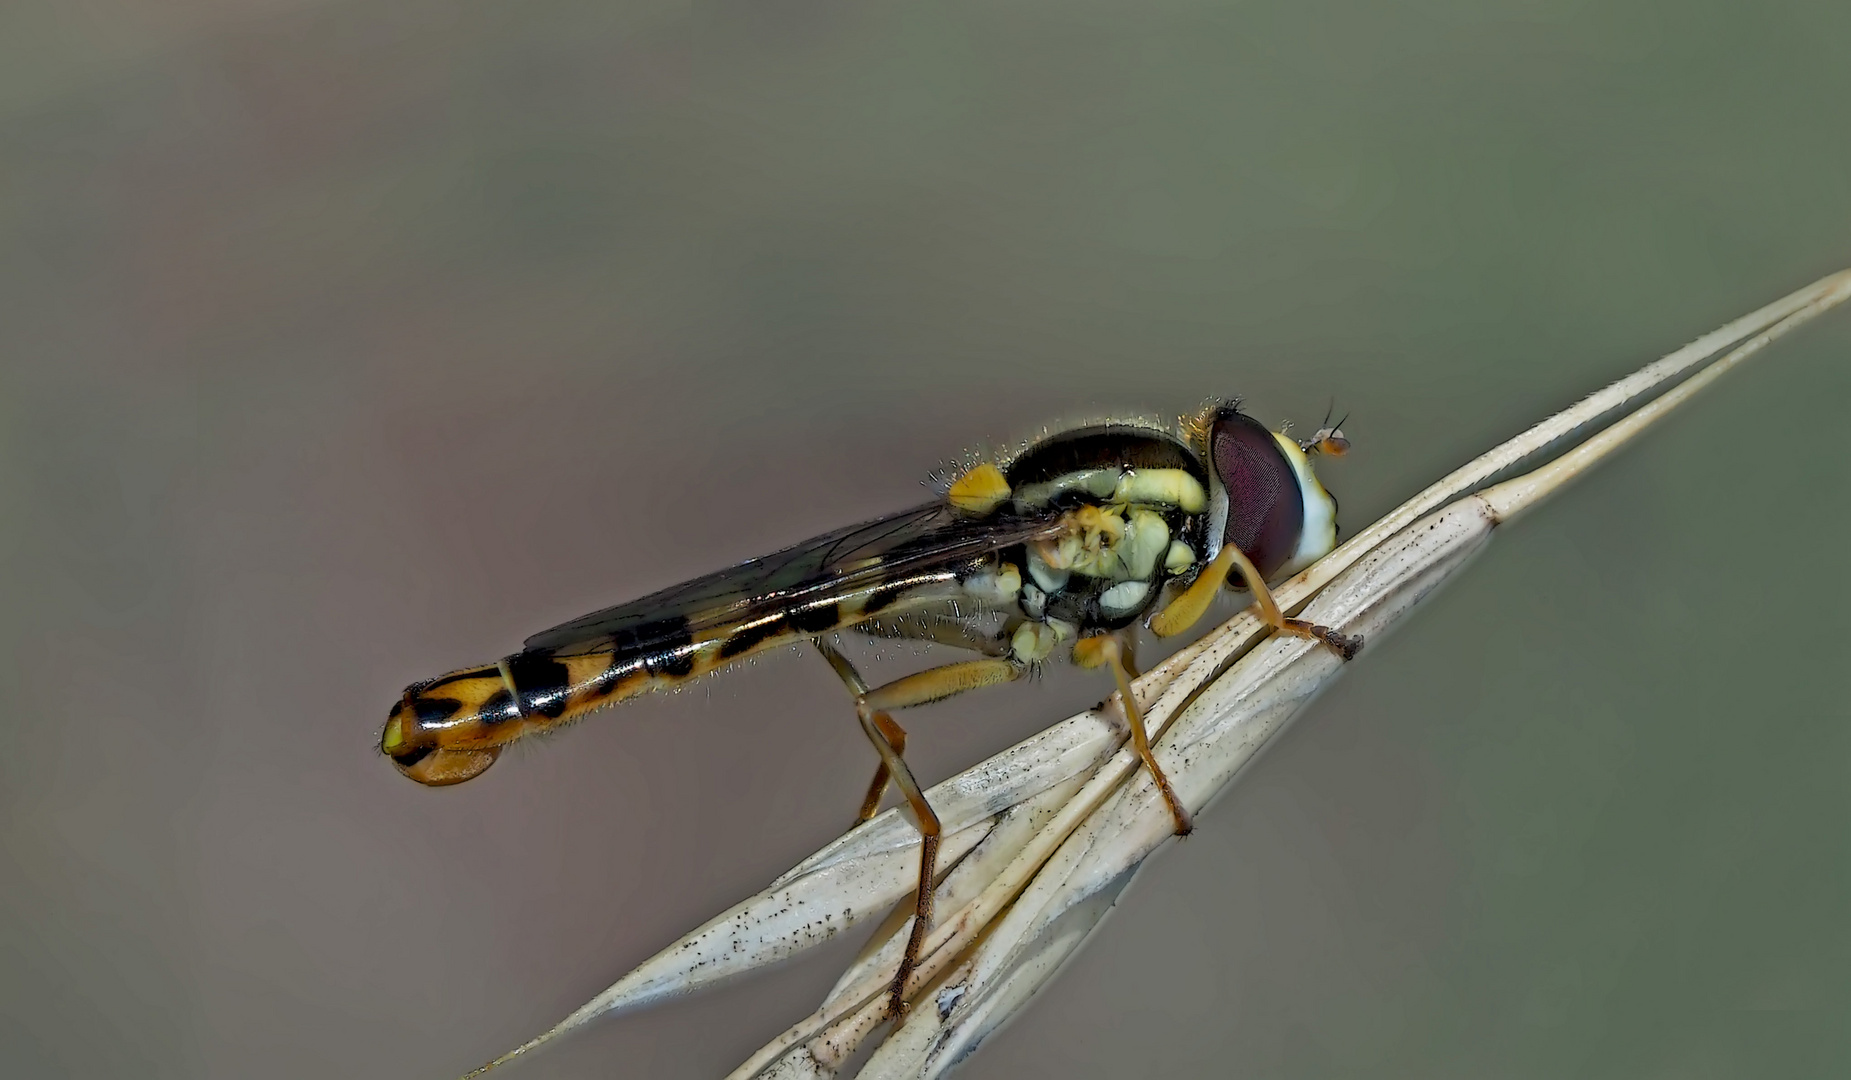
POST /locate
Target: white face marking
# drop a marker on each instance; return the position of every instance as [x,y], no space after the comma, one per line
[1318,537]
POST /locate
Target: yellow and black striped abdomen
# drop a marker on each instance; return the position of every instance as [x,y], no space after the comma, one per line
[451,728]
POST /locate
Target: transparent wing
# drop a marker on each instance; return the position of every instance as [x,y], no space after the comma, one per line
[860,557]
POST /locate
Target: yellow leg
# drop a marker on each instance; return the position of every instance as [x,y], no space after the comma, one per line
[877,788]
[1110,650]
[936,684]
[932,684]
[1188,607]
[870,709]
[1128,654]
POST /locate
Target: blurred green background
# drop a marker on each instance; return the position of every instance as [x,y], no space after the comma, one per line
[342,344]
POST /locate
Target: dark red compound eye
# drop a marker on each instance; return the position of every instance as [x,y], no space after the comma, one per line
[1266,508]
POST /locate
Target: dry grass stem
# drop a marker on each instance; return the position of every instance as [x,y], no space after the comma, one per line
[1042,838]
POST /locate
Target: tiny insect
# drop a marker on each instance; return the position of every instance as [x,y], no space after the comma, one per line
[1061,548]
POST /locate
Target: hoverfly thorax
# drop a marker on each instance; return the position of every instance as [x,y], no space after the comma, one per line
[1133,498]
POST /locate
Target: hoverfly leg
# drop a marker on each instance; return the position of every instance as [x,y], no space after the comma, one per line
[871,708]
[1345,646]
[877,788]
[1112,650]
[936,684]
[873,724]
[1186,608]
[930,627]
[1189,605]
[1128,654]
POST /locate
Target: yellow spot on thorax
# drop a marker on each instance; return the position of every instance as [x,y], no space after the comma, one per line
[979,491]
[1169,487]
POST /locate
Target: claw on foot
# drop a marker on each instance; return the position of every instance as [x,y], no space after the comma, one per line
[1344,645]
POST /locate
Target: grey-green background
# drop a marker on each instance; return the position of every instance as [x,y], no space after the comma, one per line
[345,343]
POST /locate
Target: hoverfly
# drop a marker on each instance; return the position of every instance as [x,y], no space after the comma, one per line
[1061,548]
